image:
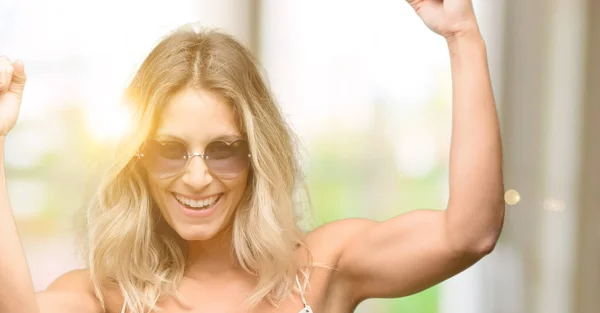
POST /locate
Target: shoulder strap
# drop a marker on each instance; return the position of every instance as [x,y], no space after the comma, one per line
[301,291]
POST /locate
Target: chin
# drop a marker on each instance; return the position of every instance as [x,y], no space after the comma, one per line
[196,232]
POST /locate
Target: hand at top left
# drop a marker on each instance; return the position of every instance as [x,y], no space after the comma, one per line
[448,18]
[12,84]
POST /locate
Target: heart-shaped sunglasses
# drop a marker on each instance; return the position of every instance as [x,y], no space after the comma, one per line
[166,159]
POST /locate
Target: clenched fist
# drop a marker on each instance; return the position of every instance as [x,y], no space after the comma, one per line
[12,84]
[448,18]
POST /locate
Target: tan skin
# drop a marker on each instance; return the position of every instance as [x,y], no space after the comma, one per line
[394,258]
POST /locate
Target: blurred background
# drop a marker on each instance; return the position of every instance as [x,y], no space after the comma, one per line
[367,88]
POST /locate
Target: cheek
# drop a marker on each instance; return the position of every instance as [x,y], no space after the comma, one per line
[239,184]
[157,191]
[236,187]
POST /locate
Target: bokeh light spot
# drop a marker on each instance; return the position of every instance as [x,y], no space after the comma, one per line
[512,197]
[554,205]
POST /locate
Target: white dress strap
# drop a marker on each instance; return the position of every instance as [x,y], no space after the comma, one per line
[307,308]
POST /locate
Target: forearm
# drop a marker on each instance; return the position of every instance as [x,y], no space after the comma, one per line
[476,207]
[16,287]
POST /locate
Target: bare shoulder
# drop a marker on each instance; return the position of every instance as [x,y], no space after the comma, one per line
[75,280]
[327,241]
[70,292]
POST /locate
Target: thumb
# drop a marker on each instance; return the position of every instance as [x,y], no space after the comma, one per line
[19,77]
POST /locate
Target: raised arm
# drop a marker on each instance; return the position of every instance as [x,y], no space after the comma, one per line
[70,293]
[16,286]
[414,251]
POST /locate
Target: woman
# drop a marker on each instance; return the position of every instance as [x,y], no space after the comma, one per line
[197,213]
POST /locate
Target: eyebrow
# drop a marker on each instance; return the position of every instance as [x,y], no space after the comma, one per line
[226,137]
[159,136]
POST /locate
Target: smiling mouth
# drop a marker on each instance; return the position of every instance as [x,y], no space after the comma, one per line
[197,204]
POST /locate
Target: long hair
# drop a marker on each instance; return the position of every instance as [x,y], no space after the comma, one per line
[129,246]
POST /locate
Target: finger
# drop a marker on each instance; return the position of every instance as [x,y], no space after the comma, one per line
[19,78]
[2,78]
[8,76]
[4,62]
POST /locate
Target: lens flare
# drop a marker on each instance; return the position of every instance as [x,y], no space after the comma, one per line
[554,205]
[512,197]
[108,123]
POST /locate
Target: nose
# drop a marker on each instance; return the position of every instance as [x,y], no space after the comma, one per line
[196,174]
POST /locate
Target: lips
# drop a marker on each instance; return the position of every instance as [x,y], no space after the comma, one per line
[199,207]
[203,203]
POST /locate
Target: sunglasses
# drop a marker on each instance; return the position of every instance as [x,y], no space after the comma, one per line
[166,159]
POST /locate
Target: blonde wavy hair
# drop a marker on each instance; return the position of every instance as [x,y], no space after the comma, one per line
[129,247]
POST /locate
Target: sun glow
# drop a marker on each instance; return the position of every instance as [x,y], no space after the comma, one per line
[108,123]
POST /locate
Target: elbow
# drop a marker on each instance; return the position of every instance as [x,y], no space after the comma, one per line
[476,249]
[485,242]
[485,246]
[477,241]
[488,243]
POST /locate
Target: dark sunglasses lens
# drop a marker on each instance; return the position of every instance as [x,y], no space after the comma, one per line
[164,158]
[227,160]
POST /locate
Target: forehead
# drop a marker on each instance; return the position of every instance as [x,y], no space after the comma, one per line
[197,116]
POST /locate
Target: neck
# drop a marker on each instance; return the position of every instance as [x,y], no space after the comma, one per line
[212,257]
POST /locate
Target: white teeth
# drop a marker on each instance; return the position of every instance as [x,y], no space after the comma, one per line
[198,204]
